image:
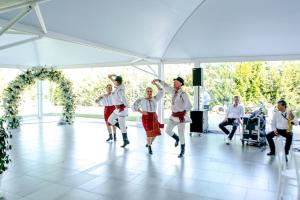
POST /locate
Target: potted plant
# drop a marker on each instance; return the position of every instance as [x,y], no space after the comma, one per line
[5,136]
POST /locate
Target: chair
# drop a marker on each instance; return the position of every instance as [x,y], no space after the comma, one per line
[237,132]
[288,174]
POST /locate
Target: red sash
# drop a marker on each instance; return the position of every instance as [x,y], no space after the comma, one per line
[180,115]
[120,107]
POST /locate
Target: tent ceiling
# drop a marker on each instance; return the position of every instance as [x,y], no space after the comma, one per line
[168,30]
[52,52]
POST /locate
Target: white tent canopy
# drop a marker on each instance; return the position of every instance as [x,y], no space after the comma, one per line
[52,52]
[115,32]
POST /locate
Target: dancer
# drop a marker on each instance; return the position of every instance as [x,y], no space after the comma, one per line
[180,106]
[118,117]
[147,107]
[106,101]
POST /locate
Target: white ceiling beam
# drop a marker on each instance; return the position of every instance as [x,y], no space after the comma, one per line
[151,68]
[135,60]
[21,5]
[19,43]
[40,17]
[10,66]
[94,65]
[104,64]
[16,32]
[246,58]
[153,74]
[15,20]
[23,28]
[75,40]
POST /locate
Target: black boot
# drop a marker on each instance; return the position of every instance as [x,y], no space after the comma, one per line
[176,138]
[115,137]
[125,140]
[109,138]
[182,151]
[150,149]
[117,125]
[148,144]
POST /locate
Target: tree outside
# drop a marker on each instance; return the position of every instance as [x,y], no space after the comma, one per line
[254,81]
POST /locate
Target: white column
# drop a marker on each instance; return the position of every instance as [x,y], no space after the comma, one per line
[40,99]
[161,76]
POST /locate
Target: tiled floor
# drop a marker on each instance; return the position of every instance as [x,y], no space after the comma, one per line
[75,162]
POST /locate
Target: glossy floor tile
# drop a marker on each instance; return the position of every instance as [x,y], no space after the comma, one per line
[74,162]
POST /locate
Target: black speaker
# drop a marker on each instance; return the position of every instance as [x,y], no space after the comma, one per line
[197,76]
[197,122]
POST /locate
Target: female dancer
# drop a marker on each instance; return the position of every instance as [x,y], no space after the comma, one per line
[107,102]
[147,107]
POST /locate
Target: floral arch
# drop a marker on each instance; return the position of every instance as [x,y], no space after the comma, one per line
[11,96]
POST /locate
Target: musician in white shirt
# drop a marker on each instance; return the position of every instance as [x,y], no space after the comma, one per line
[147,107]
[282,123]
[233,117]
[118,117]
[180,106]
[106,101]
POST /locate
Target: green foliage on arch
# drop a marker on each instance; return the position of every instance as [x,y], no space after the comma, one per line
[5,136]
[12,94]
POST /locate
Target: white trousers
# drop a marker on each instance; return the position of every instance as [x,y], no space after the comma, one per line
[180,126]
[121,119]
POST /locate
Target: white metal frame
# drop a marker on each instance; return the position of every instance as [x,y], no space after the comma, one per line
[160,107]
[151,68]
[29,6]
[39,88]
[15,19]
[21,5]
[136,56]
[153,73]
[40,17]
[20,42]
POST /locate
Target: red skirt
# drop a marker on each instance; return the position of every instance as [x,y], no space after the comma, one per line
[107,112]
[151,124]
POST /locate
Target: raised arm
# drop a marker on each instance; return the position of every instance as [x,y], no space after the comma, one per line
[111,77]
[167,87]
[160,92]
